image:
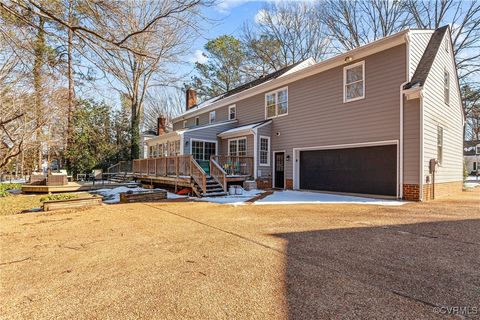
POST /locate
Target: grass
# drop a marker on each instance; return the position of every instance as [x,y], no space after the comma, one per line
[8,186]
[58,196]
[15,204]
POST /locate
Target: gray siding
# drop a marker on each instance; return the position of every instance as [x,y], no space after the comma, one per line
[411,141]
[450,117]
[222,115]
[207,133]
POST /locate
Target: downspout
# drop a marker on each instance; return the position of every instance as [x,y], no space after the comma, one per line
[255,153]
[401,142]
[420,181]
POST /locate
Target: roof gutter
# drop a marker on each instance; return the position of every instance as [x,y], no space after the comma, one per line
[355,54]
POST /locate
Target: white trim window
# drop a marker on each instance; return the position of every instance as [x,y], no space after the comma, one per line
[237,147]
[212,116]
[276,103]
[264,151]
[232,112]
[184,124]
[354,82]
[439,144]
[197,121]
[446,86]
[202,150]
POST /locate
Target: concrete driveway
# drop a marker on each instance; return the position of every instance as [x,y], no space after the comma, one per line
[210,261]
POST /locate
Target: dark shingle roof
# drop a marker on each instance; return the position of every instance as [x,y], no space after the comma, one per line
[425,64]
[260,80]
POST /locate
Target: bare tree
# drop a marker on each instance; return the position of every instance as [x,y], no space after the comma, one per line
[286,33]
[166,41]
[464,20]
[162,102]
[352,23]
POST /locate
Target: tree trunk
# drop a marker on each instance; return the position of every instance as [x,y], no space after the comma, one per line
[37,84]
[135,131]
[71,91]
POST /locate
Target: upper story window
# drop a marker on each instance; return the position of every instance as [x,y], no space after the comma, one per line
[478,149]
[184,124]
[264,151]
[232,112]
[276,103]
[197,121]
[237,147]
[211,117]
[446,86]
[354,82]
[440,144]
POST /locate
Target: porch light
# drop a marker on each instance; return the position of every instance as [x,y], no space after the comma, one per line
[288,157]
[348,59]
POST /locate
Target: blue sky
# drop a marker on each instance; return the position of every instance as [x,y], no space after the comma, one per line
[226,17]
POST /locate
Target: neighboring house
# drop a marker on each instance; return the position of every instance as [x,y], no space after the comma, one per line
[368,121]
[471,156]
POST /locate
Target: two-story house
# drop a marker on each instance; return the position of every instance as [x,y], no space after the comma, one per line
[368,121]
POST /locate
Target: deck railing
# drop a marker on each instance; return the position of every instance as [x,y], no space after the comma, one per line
[163,166]
[235,165]
[121,167]
[198,175]
[218,174]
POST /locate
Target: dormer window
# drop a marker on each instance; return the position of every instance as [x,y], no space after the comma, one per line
[354,82]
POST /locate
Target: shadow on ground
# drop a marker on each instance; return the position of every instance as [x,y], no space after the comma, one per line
[386,272]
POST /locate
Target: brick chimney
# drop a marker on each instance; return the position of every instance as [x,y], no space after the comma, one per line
[191,96]
[161,125]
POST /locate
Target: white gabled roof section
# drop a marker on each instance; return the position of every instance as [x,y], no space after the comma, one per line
[243,130]
[307,63]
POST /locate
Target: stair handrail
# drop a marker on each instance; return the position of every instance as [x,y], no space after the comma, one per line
[218,174]
[198,174]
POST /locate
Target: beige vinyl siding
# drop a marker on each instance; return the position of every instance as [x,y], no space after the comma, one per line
[450,117]
[264,171]
[223,148]
[317,115]
[222,115]
[411,141]
[418,42]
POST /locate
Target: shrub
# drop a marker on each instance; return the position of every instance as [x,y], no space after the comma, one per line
[8,186]
[51,197]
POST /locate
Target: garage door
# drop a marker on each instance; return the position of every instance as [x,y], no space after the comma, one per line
[369,170]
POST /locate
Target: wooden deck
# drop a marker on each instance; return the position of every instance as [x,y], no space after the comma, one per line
[72,187]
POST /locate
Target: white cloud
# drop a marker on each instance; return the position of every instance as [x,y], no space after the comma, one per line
[225,6]
[198,56]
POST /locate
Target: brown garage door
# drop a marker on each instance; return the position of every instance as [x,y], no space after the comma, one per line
[369,170]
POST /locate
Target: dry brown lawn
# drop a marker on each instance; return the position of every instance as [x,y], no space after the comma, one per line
[210,261]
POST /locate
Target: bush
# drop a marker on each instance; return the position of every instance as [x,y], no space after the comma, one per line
[8,186]
[58,197]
